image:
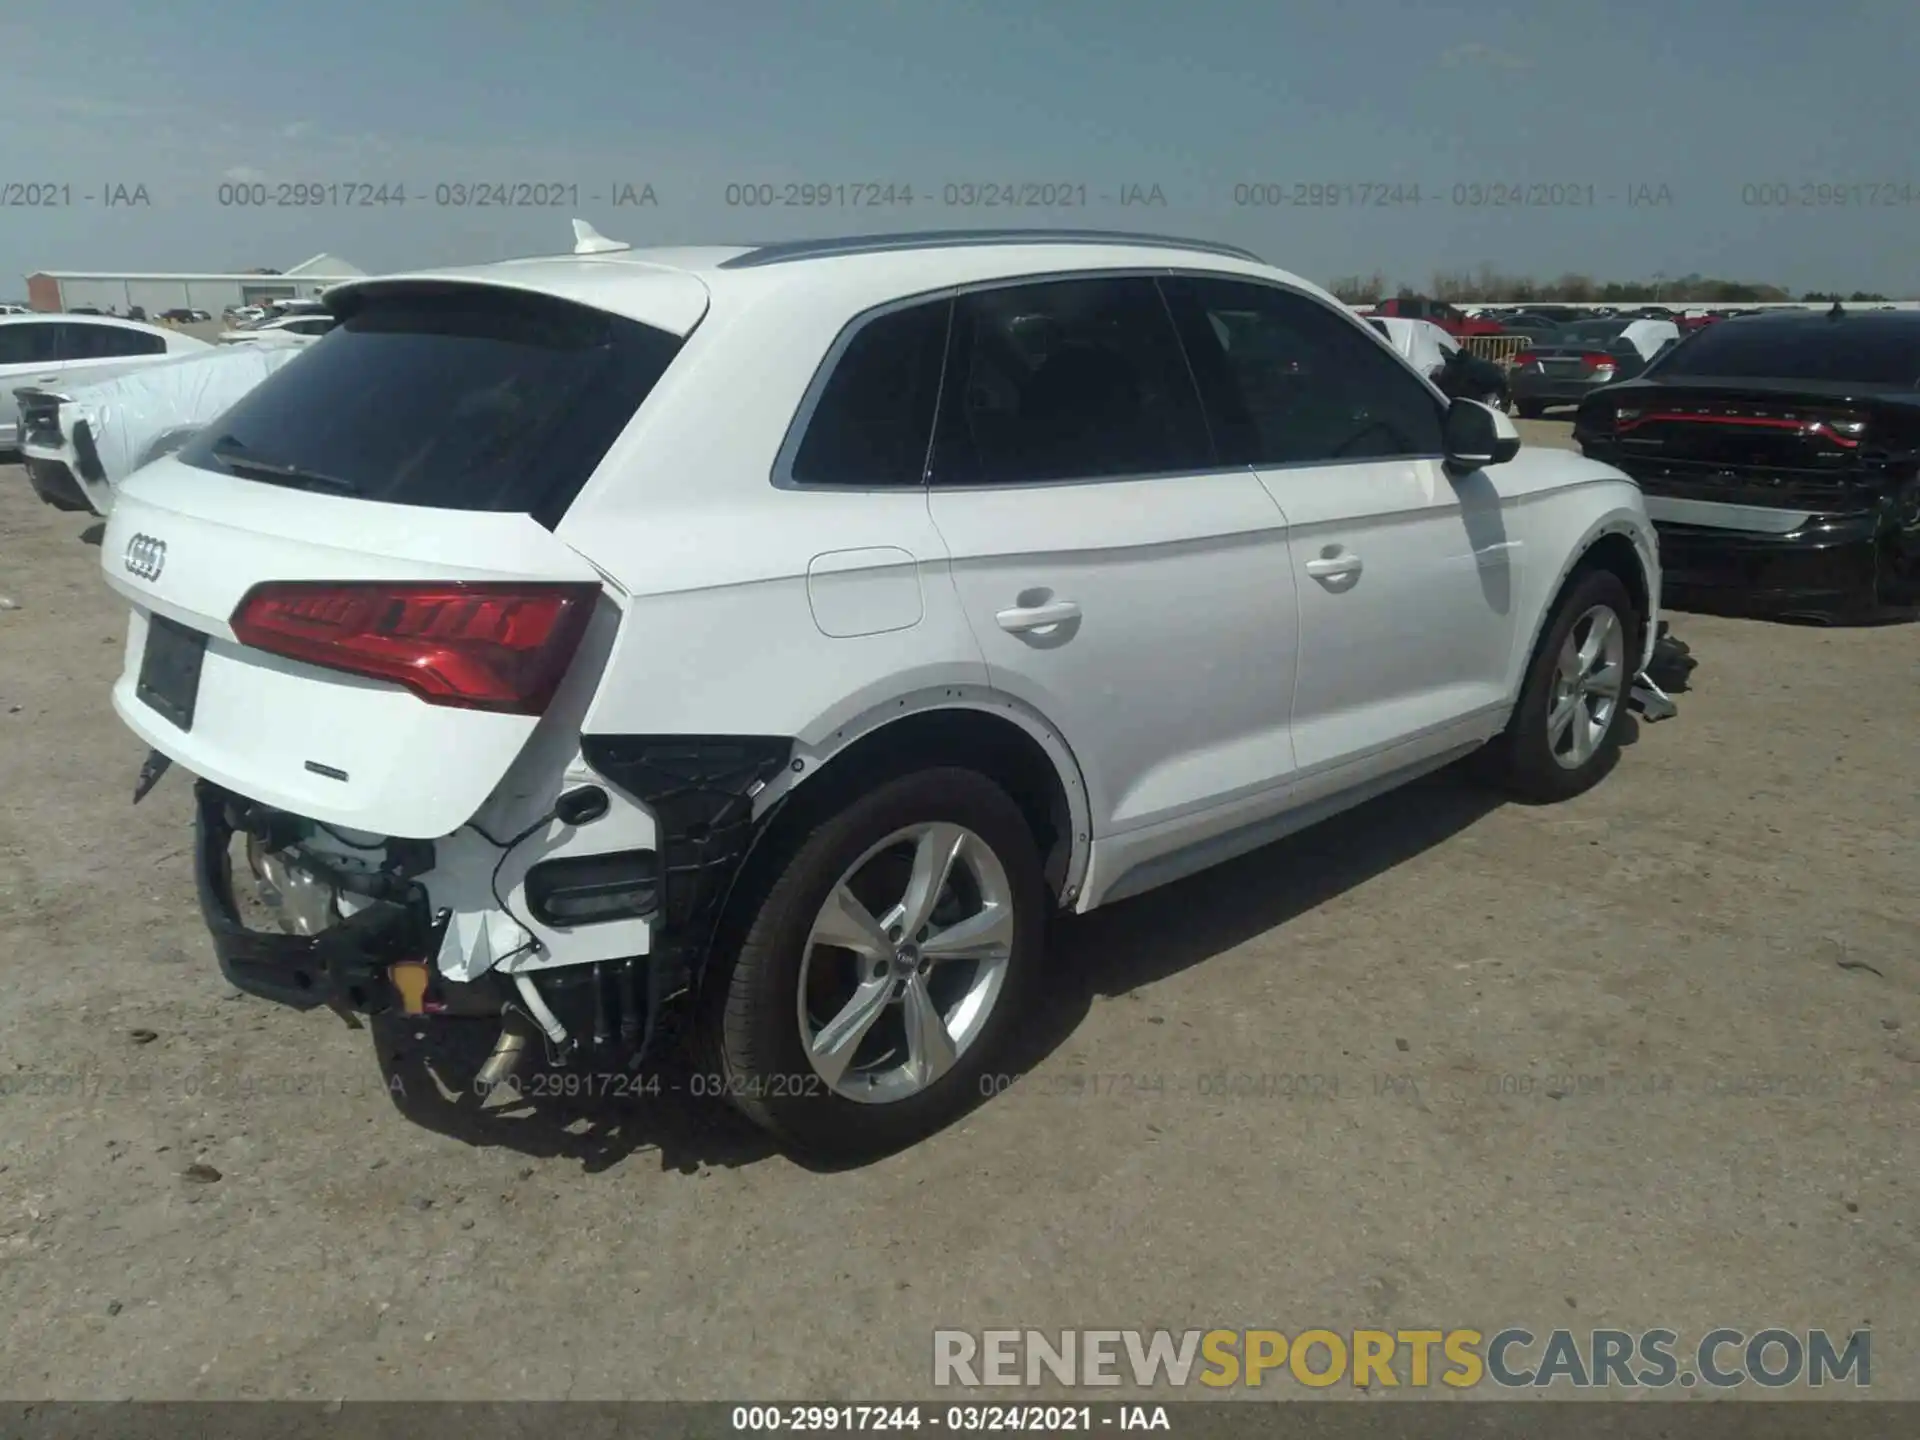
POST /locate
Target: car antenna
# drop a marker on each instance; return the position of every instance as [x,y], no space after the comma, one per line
[589,241]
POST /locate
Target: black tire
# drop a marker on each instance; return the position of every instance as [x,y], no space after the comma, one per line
[751,1018]
[1530,409]
[1521,759]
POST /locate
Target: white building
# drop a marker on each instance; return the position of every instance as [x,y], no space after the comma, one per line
[55,291]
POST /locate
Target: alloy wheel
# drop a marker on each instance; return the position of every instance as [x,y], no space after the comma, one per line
[1588,681]
[905,962]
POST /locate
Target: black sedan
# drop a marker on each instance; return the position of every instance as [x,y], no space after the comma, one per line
[1780,459]
[1566,365]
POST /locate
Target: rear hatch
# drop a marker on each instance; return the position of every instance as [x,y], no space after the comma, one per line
[348,600]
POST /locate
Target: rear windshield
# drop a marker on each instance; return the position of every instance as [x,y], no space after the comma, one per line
[459,398]
[1825,350]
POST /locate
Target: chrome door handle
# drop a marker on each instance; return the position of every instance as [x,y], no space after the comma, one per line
[1333,566]
[1037,617]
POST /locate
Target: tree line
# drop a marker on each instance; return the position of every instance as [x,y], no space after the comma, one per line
[1489,285]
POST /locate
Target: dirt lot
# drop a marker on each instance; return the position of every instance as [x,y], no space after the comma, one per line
[1649,1059]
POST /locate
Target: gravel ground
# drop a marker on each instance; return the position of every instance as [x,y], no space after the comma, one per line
[1646,1059]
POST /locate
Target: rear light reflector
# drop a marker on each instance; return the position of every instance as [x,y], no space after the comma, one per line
[590,889]
[499,646]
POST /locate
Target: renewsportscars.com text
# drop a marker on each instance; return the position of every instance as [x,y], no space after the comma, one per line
[1460,1359]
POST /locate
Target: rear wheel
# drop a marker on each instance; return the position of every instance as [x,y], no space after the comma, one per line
[1565,732]
[882,967]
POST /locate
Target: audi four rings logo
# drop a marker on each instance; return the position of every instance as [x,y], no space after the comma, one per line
[146,556]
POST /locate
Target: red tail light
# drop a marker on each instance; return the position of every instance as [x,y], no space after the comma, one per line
[1522,358]
[1596,360]
[491,646]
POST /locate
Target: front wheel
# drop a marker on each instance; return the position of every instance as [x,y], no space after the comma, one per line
[1564,735]
[883,967]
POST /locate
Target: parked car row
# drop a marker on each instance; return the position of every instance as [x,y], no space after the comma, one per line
[294,329]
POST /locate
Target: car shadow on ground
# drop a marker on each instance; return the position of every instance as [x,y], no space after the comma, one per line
[1123,948]
[600,1120]
[94,533]
[596,1117]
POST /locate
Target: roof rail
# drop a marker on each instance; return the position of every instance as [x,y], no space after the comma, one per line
[782,251]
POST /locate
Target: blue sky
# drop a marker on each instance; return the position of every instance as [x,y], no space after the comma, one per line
[1705,99]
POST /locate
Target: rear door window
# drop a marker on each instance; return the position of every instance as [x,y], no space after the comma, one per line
[1067,380]
[453,397]
[873,421]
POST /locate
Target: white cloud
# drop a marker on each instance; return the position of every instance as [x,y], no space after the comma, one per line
[1476,53]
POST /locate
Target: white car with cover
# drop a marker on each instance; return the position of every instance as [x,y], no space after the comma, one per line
[774,637]
[55,351]
[81,442]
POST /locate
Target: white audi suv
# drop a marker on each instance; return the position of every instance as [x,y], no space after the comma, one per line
[771,638]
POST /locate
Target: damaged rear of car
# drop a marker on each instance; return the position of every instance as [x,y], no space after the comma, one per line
[354,623]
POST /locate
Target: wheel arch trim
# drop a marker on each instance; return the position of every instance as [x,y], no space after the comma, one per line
[1637,531]
[816,748]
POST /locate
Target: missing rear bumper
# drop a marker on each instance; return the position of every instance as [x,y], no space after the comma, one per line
[345,966]
[380,960]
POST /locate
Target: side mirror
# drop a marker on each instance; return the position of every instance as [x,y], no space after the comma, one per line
[1477,435]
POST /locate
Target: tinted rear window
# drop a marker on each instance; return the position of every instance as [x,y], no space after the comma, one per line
[1825,350]
[874,419]
[456,398]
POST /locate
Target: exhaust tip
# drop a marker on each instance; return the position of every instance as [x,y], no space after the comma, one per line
[503,1063]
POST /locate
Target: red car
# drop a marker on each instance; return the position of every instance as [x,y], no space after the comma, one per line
[1441,314]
